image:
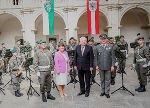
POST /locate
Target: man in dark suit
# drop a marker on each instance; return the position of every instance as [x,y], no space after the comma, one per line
[83,62]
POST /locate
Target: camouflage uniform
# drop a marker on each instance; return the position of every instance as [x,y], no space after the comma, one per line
[141,57]
[120,62]
[14,65]
[43,63]
[73,73]
[1,69]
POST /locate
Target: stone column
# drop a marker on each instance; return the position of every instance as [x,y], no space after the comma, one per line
[29,27]
[71,31]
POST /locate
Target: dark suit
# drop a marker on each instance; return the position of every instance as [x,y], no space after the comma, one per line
[83,64]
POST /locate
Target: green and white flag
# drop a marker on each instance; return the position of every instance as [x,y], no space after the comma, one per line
[48,17]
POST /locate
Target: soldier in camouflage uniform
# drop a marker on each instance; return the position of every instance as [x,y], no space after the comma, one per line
[17,46]
[71,47]
[51,47]
[3,56]
[91,43]
[15,65]
[141,62]
[113,74]
[37,47]
[1,69]
[124,51]
[43,64]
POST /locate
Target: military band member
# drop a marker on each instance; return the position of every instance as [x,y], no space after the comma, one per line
[71,47]
[141,62]
[121,62]
[15,67]
[37,47]
[43,64]
[17,46]
[105,62]
[3,50]
[1,69]
[113,74]
[51,47]
[91,43]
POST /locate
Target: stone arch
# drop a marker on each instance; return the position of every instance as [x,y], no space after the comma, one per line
[13,14]
[125,10]
[10,29]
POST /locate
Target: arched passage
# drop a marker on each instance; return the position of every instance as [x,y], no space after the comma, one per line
[83,25]
[10,29]
[135,21]
[59,28]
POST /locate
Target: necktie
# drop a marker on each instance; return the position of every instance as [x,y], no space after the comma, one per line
[82,50]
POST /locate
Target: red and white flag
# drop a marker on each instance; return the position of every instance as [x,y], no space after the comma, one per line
[93,16]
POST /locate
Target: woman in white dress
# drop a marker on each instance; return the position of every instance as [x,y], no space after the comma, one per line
[62,68]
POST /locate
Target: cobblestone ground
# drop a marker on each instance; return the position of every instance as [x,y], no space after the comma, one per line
[120,99]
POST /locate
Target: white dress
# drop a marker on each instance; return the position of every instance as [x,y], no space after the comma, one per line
[61,79]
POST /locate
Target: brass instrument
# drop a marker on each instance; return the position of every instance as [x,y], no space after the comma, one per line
[19,71]
[1,63]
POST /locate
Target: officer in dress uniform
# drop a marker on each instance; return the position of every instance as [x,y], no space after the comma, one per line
[105,62]
[43,64]
[91,43]
[141,62]
[71,47]
[113,74]
[15,67]
[122,46]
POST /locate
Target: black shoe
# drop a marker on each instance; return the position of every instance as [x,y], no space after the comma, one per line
[107,95]
[86,94]
[119,71]
[21,94]
[49,96]
[44,98]
[102,94]
[113,81]
[137,89]
[81,93]
[1,83]
[17,94]
[142,89]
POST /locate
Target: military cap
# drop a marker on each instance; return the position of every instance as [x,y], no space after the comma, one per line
[3,43]
[138,34]
[141,37]
[13,51]
[110,38]
[71,38]
[104,36]
[17,40]
[121,36]
[91,39]
[37,42]
[51,41]
[42,41]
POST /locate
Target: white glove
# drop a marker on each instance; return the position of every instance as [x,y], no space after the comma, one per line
[126,55]
[116,64]
[52,72]
[38,74]
[144,66]
[148,63]
[134,65]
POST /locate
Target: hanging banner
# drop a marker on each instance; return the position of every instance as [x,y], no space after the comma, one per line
[93,16]
[48,17]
